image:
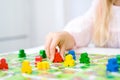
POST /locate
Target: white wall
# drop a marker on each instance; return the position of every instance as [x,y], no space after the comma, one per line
[14,25]
[75,8]
[47,16]
[25,23]
[53,15]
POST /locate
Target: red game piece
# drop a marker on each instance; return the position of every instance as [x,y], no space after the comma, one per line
[3,64]
[0,66]
[57,58]
[38,59]
[56,50]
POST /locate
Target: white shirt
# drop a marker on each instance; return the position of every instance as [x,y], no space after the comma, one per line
[81,27]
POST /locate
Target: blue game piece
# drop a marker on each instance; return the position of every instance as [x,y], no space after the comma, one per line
[72,52]
[112,65]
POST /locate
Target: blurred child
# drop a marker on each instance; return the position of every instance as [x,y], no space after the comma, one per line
[100,26]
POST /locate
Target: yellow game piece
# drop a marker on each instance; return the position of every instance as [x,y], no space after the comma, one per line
[26,68]
[69,61]
[39,65]
[43,65]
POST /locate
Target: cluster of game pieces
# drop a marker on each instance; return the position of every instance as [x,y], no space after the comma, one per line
[70,59]
[38,59]
[41,63]
[113,64]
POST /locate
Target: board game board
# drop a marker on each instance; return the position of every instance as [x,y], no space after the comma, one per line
[95,71]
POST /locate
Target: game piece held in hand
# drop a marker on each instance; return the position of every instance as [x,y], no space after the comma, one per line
[44,65]
[69,61]
[26,68]
[22,53]
[57,57]
[3,64]
[43,54]
[72,52]
[84,58]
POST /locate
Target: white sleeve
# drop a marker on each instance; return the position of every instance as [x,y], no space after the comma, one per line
[81,27]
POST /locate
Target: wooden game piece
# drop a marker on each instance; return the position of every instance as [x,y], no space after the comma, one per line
[112,65]
[43,65]
[57,58]
[26,68]
[0,66]
[118,59]
[84,58]
[22,53]
[3,64]
[72,52]
[69,61]
[43,54]
[46,65]
[37,59]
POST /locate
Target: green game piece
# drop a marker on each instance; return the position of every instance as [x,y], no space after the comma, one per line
[84,54]
[22,54]
[43,53]
[84,58]
[118,59]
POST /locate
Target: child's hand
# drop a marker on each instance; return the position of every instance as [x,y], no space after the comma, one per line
[61,39]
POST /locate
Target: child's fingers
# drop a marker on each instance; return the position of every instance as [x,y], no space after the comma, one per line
[47,45]
[62,50]
[53,47]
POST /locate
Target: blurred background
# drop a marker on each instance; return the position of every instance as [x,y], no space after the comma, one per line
[25,23]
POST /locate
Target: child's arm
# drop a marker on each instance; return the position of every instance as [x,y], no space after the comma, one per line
[81,28]
[77,33]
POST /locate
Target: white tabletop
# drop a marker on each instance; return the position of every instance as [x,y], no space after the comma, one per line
[107,51]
